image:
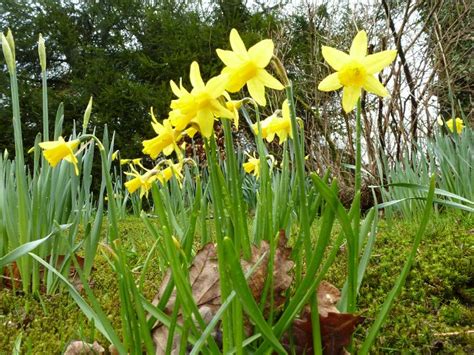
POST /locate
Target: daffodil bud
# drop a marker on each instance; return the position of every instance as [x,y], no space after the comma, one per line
[11,42]
[42,53]
[87,114]
[8,54]
[176,242]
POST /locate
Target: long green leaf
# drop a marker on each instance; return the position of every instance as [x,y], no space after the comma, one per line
[242,289]
[26,248]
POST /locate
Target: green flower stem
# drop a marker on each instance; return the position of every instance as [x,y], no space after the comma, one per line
[242,289]
[298,146]
[22,190]
[263,213]
[299,156]
[241,236]
[382,315]
[44,81]
[219,214]
[353,245]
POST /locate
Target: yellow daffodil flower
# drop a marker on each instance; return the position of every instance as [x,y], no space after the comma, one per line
[355,71]
[55,151]
[455,123]
[173,170]
[276,125]
[140,181]
[252,166]
[201,105]
[233,106]
[125,161]
[165,142]
[248,67]
[115,155]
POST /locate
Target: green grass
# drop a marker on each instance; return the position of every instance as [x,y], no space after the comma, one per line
[438,297]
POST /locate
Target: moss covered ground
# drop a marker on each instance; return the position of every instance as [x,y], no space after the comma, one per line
[432,314]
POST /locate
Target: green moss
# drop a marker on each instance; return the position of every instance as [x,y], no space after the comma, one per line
[437,299]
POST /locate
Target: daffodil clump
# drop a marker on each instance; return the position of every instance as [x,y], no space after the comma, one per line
[284,198]
[197,109]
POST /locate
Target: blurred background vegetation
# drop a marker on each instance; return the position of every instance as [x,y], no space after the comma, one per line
[124,53]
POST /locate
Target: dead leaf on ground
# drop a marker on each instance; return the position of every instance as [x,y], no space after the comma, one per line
[204,280]
[336,328]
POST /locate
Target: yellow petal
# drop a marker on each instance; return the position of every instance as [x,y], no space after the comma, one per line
[73,144]
[191,132]
[248,167]
[169,149]
[330,83]
[133,185]
[268,80]
[175,89]
[374,63]
[285,110]
[236,42]
[195,76]
[375,87]
[262,52]
[228,58]
[52,144]
[335,58]
[73,160]
[205,121]
[216,85]
[221,111]
[350,96]
[157,127]
[359,45]
[257,91]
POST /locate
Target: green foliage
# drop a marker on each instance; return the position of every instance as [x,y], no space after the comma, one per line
[435,295]
[449,156]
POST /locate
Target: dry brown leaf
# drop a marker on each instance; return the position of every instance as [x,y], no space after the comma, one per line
[336,328]
[78,347]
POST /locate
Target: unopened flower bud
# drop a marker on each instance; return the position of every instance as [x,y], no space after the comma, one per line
[87,114]
[42,53]
[176,242]
[8,54]
[11,42]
